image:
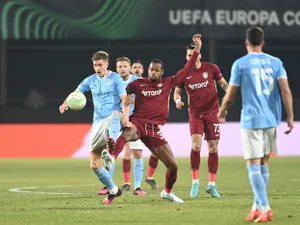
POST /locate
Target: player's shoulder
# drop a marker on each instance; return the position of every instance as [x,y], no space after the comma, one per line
[114,75]
[272,58]
[134,77]
[210,65]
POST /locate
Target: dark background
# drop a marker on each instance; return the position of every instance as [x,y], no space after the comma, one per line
[37,75]
[55,68]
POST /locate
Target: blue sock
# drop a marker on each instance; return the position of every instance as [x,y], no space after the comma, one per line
[112,170]
[258,184]
[104,176]
[115,127]
[138,170]
[265,173]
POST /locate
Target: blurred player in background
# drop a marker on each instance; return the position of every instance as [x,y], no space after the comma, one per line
[200,86]
[108,91]
[152,110]
[261,79]
[137,69]
[135,147]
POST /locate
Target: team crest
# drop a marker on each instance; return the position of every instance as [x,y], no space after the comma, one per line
[109,82]
[159,85]
[205,75]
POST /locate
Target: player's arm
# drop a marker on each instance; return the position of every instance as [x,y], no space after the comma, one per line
[177,98]
[228,100]
[181,74]
[83,87]
[223,84]
[122,93]
[286,96]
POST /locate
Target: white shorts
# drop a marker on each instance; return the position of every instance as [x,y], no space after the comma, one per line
[138,144]
[259,142]
[99,134]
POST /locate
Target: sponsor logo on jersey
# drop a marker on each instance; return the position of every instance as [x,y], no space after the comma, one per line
[199,85]
[151,93]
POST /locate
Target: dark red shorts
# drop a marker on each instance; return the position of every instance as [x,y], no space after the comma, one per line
[150,134]
[205,123]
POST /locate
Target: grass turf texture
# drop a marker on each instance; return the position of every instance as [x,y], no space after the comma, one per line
[81,205]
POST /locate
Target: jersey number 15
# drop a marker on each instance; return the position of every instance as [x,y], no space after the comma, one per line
[264,81]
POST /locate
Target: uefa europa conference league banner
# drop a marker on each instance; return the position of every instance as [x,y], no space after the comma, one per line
[126,19]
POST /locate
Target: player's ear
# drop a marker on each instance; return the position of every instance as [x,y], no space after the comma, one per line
[262,43]
[246,43]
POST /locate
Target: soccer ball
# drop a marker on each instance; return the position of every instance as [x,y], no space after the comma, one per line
[76,101]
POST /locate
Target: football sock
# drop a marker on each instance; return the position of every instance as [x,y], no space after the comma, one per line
[195,164]
[153,162]
[126,170]
[258,186]
[104,176]
[138,170]
[171,177]
[213,163]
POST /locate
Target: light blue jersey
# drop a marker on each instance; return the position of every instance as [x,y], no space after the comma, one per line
[126,82]
[106,92]
[257,75]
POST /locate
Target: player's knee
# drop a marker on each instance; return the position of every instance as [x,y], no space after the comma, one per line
[127,154]
[138,154]
[196,146]
[173,166]
[94,165]
[213,146]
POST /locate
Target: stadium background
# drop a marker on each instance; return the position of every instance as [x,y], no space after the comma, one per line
[46,47]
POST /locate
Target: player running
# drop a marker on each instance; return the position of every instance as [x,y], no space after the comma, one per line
[108,91]
[137,69]
[135,147]
[200,85]
[261,79]
[151,110]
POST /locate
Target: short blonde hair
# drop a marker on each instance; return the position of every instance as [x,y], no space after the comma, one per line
[123,58]
[100,55]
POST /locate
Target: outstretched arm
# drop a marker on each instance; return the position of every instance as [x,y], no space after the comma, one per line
[180,76]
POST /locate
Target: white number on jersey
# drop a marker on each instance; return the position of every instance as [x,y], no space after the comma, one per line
[263,76]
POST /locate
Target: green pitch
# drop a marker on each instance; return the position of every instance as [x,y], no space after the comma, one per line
[78,203]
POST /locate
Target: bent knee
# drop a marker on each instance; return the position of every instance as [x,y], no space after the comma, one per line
[95,166]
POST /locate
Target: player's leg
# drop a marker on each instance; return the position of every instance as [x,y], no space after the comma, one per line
[97,144]
[128,134]
[138,170]
[212,135]
[138,166]
[196,130]
[153,162]
[165,155]
[126,164]
[253,146]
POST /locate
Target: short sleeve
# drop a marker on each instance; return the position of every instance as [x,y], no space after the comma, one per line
[281,72]
[179,78]
[131,87]
[120,86]
[217,73]
[235,76]
[84,86]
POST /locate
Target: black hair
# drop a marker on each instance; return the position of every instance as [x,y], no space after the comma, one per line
[191,46]
[255,36]
[137,61]
[158,61]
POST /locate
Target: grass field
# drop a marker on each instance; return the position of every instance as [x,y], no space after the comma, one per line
[79,204]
